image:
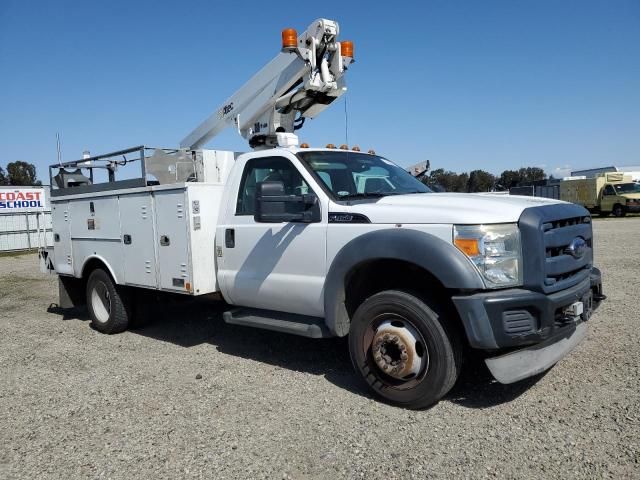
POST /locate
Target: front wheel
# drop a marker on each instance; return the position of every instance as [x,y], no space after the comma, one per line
[618,210]
[109,306]
[404,349]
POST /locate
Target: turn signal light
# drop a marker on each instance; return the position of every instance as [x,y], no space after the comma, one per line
[344,147]
[304,145]
[330,145]
[356,148]
[468,245]
[289,39]
[346,48]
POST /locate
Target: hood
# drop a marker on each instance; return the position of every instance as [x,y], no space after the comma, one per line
[449,208]
[635,196]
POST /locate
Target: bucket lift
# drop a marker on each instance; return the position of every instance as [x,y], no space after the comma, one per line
[299,83]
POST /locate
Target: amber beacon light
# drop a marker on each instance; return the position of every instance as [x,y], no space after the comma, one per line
[346,48]
[289,39]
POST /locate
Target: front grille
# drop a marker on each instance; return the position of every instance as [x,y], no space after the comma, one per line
[560,266]
[548,231]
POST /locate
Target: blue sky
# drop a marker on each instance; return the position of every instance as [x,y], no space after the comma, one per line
[493,84]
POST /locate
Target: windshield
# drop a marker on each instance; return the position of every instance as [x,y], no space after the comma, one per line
[353,175]
[627,188]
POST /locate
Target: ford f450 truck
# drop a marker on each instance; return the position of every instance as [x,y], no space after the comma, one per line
[325,242]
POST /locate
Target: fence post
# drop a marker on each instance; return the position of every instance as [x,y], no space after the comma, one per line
[28,230]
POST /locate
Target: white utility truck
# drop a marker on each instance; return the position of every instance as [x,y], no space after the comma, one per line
[325,242]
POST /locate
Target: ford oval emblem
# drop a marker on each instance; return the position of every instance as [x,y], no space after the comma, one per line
[577,248]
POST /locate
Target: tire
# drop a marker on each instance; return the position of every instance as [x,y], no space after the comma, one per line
[431,366]
[618,210]
[109,306]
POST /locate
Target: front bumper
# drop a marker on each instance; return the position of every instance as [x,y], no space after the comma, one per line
[527,362]
[517,317]
[632,208]
[532,326]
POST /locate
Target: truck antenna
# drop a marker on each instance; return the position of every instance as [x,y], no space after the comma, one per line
[346,122]
[58,149]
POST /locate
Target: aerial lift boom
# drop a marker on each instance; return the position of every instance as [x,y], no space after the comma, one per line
[299,83]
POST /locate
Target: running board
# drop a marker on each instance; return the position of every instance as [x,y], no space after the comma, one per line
[312,327]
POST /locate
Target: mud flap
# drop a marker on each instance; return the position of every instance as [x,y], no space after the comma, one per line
[71,292]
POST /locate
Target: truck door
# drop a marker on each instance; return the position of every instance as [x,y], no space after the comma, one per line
[275,266]
[608,198]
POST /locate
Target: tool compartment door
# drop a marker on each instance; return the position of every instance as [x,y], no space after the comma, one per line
[62,257]
[172,240]
[138,240]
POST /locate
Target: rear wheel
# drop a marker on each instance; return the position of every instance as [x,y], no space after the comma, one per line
[618,210]
[109,306]
[404,350]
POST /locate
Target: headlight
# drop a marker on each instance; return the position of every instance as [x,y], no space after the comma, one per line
[495,250]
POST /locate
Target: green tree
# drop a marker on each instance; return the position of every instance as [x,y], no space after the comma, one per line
[480,181]
[532,174]
[447,180]
[513,178]
[508,179]
[3,177]
[22,174]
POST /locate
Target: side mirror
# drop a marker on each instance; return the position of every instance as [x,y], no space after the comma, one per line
[273,206]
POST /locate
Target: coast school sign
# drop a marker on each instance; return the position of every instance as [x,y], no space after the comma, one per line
[14,199]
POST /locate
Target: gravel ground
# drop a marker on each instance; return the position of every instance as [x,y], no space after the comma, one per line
[189,396]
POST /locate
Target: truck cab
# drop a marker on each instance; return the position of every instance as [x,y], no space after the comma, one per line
[620,198]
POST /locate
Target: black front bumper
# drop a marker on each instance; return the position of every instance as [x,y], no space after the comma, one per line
[513,318]
[633,208]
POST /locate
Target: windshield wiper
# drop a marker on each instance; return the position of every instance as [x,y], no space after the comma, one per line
[377,194]
[405,193]
[365,195]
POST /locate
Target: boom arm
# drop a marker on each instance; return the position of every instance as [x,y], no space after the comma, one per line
[302,80]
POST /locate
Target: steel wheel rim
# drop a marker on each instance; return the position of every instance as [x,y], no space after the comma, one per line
[388,337]
[101,302]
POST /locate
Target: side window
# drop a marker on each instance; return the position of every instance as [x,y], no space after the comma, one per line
[267,169]
[608,190]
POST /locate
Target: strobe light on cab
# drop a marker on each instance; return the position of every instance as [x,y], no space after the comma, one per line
[344,146]
[289,39]
[371,151]
[355,148]
[330,145]
[304,145]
